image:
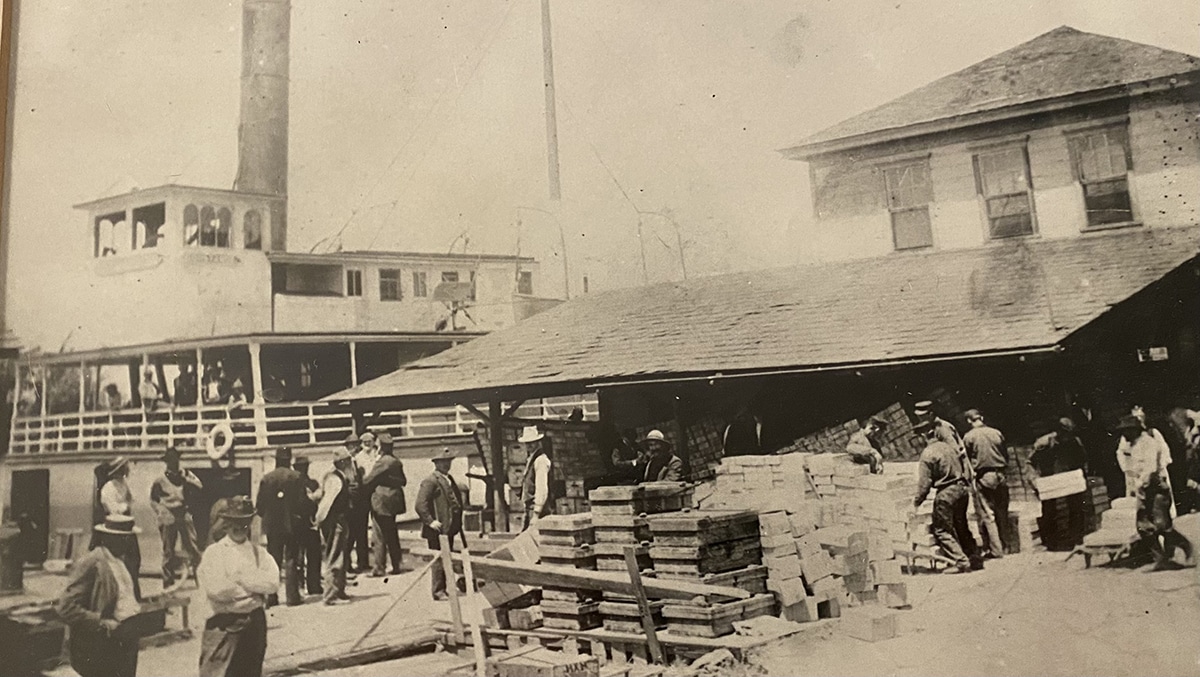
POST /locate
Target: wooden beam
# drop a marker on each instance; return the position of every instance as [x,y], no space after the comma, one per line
[537,575]
[639,592]
[513,409]
[499,471]
[475,410]
[460,637]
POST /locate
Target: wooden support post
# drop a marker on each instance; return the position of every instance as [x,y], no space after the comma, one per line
[257,400]
[460,637]
[353,364]
[635,577]
[499,471]
[512,409]
[480,650]
[475,410]
[468,570]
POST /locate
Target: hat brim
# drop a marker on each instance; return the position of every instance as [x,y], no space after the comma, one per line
[101,529]
[535,438]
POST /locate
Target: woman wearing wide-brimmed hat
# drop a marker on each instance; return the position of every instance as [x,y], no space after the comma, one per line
[117,499]
[99,596]
[237,576]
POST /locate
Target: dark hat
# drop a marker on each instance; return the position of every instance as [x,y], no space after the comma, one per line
[238,508]
[120,525]
[350,438]
[301,462]
[116,464]
[973,414]
[171,454]
[385,440]
[1129,422]
[283,454]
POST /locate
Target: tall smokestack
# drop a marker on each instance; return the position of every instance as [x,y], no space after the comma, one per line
[263,126]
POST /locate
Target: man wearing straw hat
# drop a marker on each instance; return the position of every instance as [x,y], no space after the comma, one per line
[535,485]
[117,499]
[237,576]
[662,465]
[99,596]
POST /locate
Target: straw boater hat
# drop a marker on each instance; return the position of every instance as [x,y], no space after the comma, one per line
[119,525]
[923,408]
[239,508]
[116,464]
[530,434]
[923,426]
[340,454]
[655,436]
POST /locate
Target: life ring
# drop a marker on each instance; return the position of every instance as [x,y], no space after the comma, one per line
[225,431]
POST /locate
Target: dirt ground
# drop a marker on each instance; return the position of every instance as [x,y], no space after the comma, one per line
[1028,614]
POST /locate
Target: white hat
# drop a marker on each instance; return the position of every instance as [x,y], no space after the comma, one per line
[530,434]
[655,436]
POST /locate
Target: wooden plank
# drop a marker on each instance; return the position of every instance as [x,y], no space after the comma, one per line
[606,581]
[639,592]
[452,590]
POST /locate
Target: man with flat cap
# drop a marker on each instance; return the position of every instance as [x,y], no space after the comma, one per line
[386,482]
[440,507]
[99,596]
[169,495]
[280,505]
[237,576]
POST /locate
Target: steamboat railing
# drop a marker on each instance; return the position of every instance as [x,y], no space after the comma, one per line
[253,425]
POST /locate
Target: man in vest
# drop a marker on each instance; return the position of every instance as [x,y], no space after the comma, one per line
[333,518]
[168,495]
[280,493]
[98,597]
[535,487]
[440,506]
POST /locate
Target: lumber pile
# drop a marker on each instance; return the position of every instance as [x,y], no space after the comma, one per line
[762,483]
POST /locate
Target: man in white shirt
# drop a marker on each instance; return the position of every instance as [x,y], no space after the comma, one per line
[117,499]
[535,487]
[1144,457]
[237,576]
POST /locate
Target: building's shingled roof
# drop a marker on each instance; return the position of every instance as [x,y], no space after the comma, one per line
[1059,63]
[1009,296]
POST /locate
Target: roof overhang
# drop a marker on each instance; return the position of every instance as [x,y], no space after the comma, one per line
[167,190]
[808,151]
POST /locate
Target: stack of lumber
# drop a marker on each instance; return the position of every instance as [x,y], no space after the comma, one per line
[568,541]
[710,546]
[762,483]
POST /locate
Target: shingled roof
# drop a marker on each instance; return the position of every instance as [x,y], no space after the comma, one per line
[1056,64]
[1017,295]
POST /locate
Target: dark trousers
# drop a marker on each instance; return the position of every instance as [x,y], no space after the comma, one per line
[310,559]
[285,549]
[96,655]
[387,542]
[437,573]
[993,493]
[1157,529]
[356,537]
[333,539]
[950,528]
[234,645]
[182,532]
[133,562]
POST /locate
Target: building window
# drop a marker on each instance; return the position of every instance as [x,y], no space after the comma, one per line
[252,230]
[450,276]
[389,285]
[420,290]
[471,293]
[353,282]
[1002,180]
[148,222]
[525,283]
[1101,161]
[908,196]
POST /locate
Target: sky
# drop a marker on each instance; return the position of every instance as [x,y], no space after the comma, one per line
[418,125]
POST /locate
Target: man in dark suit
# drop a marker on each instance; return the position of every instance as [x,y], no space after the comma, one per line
[280,505]
[308,535]
[440,507]
[386,483]
[663,465]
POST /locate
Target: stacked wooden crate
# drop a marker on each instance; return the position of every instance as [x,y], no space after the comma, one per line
[620,514]
[762,483]
[696,545]
[1097,502]
[568,540]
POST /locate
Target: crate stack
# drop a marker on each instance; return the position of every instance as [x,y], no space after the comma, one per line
[1097,503]
[568,541]
[718,547]
[762,483]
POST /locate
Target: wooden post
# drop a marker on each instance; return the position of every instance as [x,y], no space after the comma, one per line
[82,388]
[635,577]
[353,364]
[468,570]
[480,651]
[460,637]
[258,401]
[499,472]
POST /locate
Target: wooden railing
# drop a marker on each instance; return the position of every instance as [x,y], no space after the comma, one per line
[253,425]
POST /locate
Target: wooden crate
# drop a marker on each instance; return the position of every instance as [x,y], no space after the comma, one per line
[713,558]
[715,620]
[752,579]
[537,661]
[626,617]
[694,528]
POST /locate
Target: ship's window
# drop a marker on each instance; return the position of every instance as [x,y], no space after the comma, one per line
[108,234]
[224,226]
[208,227]
[252,230]
[525,283]
[353,282]
[147,223]
[420,288]
[191,225]
[389,285]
